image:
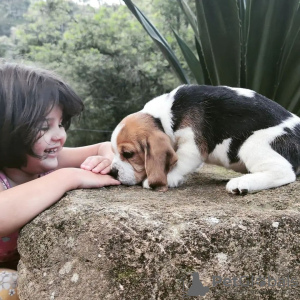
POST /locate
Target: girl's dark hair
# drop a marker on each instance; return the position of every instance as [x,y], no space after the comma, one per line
[27,95]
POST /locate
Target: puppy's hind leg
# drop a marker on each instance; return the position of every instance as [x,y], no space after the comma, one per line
[260,181]
[268,169]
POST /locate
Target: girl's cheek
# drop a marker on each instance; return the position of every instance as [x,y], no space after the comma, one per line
[65,138]
[45,139]
[38,148]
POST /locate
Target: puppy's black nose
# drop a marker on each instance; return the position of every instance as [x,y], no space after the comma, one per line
[114,173]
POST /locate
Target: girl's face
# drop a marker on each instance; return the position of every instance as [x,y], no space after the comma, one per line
[50,143]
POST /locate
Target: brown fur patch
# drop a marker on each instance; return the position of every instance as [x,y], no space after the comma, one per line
[192,119]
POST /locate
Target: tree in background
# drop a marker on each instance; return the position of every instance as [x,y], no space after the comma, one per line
[103,53]
[12,14]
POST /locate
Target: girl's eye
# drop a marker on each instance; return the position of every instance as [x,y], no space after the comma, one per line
[128,154]
[44,128]
[61,125]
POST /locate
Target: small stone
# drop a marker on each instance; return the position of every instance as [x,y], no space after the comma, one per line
[75,277]
[242,227]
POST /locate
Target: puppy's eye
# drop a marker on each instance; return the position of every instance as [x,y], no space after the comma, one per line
[128,154]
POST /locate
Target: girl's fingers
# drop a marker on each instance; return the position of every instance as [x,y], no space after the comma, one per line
[106,170]
[95,163]
[113,181]
[101,166]
[87,164]
[108,180]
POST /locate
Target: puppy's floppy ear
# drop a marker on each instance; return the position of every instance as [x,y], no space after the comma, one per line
[159,158]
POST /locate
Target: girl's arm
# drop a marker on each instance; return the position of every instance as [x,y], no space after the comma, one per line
[22,203]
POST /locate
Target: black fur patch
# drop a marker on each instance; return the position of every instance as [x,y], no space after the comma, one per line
[219,113]
[158,123]
[288,145]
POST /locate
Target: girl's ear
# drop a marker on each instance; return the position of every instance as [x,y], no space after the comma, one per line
[159,159]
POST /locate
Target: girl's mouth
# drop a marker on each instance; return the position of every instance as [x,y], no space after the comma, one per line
[51,151]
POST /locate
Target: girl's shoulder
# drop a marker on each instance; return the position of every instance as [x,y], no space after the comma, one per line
[4,182]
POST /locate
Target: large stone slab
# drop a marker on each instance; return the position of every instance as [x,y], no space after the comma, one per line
[131,243]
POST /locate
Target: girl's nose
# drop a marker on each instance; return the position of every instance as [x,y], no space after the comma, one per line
[58,134]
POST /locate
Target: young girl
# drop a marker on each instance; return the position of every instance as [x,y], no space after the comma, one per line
[36,108]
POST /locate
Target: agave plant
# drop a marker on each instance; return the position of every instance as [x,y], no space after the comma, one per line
[252,44]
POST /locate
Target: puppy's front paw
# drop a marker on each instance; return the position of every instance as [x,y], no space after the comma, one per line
[174,180]
[238,186]
[146,184]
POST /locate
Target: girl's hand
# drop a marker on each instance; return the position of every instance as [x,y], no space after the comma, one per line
[89,180]
[97,164]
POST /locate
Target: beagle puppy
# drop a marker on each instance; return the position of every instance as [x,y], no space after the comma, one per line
[239,129]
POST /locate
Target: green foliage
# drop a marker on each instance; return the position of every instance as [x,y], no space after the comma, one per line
[11,13]
[102,54]
[246,43]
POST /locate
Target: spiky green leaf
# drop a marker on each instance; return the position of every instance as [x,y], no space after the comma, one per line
[191,60]
[269,24]
[219,29]
[159,40]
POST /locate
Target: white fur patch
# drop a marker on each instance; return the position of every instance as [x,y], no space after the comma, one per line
[219,155]
[146,184]
[243,92]
[125,170]
[160,107]
[114,137]
[189,158]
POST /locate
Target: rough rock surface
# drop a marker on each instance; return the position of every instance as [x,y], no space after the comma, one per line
[131,243]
